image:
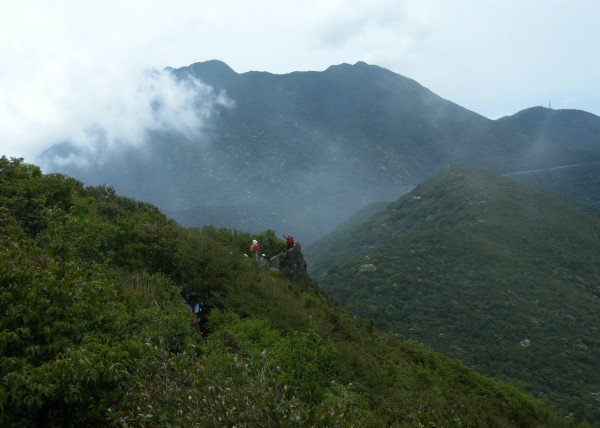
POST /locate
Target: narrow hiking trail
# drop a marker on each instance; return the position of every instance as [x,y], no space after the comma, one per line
[550,169]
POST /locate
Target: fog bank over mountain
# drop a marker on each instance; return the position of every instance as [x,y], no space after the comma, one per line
[298,153]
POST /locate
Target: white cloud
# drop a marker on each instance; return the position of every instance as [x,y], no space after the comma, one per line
[80,104]
[120,110]
[383,32]
[76,78]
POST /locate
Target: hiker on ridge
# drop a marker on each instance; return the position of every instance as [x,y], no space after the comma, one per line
[254,249]
[195,305]
[290,241]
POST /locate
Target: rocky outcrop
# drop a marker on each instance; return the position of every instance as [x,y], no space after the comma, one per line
[290,263]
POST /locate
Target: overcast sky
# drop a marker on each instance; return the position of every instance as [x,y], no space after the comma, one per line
[67,67]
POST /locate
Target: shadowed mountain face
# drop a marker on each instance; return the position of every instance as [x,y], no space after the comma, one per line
[500,274]
[300,153]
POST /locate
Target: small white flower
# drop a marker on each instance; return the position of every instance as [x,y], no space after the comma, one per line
[367,267]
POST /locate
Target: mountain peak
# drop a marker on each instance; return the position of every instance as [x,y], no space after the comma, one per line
[214,72]
[213,65]
[359,66]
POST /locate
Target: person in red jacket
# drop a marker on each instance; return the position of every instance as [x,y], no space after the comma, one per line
[290,241]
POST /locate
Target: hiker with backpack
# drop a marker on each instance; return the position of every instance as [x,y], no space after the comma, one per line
[290,241]
[254,249]
[195,304]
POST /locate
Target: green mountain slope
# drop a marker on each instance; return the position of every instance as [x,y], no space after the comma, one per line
[90,291]
[499,274]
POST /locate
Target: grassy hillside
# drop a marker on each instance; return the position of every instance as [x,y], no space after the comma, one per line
[499,274]
[90,291]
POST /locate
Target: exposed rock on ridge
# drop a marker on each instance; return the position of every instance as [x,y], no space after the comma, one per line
[290,262]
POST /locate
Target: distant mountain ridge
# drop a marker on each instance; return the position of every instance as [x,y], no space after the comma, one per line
[500,274]
[301,152]
[566,128]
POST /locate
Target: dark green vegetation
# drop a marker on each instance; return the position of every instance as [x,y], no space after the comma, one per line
[90,294]
[300,153]
[502,275]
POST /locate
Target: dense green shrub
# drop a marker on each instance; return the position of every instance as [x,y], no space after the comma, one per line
[63,339]
[270,245]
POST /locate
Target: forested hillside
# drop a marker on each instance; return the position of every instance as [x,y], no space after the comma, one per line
[499,274]
[91,287]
